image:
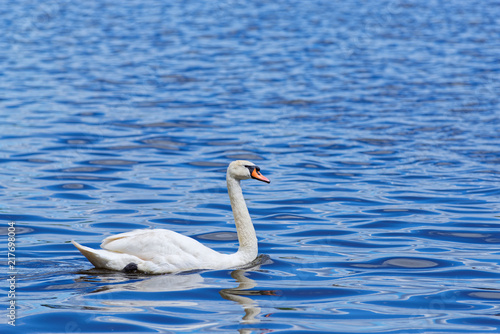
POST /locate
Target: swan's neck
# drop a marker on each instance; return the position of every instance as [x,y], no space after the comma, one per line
[246,233]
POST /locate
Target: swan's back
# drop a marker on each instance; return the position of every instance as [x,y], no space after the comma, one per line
[156,245]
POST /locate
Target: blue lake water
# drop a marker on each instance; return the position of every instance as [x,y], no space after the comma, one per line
[377,122]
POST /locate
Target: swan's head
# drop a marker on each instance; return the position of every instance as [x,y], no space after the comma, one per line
[244,170]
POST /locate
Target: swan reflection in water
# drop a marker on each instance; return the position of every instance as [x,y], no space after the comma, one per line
[117,282]
[238,294]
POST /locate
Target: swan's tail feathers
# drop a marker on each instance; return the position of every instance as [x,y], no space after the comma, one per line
[92,255]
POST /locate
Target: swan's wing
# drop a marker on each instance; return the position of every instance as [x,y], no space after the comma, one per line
[150,244]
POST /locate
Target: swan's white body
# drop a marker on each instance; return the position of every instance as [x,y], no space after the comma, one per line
[159,251]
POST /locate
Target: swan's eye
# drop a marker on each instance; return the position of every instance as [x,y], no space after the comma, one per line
[252,168]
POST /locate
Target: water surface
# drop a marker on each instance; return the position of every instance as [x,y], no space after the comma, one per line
[378,124]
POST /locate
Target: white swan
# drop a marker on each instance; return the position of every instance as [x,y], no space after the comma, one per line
[158,251]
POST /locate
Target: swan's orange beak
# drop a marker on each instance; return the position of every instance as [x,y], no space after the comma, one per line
[258,176]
